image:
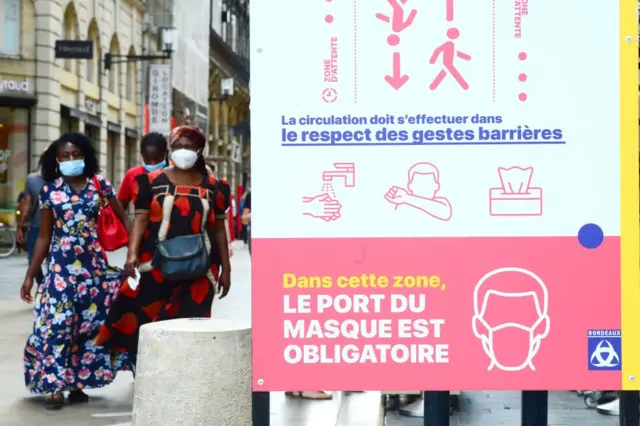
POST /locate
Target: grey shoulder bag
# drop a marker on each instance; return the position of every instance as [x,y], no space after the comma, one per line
[182,258]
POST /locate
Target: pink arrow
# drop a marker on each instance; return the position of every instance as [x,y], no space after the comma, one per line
[396,80]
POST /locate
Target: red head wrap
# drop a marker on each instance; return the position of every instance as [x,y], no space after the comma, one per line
[192,133]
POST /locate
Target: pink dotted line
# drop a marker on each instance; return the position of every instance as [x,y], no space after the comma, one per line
[355,51]
[493,59]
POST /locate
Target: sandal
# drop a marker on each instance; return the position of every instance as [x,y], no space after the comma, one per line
[54,401]
[317,395]
[78,397]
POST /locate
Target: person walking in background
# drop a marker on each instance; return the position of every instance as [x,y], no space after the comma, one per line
[153,149]
[29,218]
[231,217]
[182,205]
[243,226]
[246,217]
[71,303]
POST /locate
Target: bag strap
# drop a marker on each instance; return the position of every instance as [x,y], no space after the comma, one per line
[96,182]
[174,192]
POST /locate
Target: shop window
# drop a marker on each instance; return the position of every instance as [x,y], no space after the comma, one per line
[92,65]
[10,27]
[69,32]
[131,77]
[13,157]
[114,72]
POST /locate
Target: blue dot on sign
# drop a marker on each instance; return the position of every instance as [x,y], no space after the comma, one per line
[590,236]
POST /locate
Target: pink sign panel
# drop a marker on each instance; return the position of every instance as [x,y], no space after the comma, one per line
[393,314]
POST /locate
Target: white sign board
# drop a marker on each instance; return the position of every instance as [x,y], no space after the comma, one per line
[160,99]
[476,157]
[236,152]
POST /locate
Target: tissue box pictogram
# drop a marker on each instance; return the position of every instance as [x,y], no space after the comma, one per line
[516,197]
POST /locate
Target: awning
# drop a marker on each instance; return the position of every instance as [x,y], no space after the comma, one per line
[131,133]
[114,127]
[17,100]
[90,119]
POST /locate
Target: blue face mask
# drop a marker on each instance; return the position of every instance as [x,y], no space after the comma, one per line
[71,168]
[154,167]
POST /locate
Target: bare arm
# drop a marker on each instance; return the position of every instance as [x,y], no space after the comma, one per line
[140,223]
[246,216]
[120,212]
[41,249]
[219,228]
[25,209]
[125,205]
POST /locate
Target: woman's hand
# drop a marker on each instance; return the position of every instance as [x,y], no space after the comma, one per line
[224,282]
[25,290]
[130,265]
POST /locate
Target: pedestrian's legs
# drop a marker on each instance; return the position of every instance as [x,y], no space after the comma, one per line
[32,236]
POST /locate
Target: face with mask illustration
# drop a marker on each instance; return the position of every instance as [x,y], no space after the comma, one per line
[187,144]
[70,160]
[510,317]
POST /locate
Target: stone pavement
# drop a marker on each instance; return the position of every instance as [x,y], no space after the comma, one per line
[112,405]
[503,408]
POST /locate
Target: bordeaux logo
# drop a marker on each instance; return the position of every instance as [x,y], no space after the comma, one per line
[605,355]
[605,349]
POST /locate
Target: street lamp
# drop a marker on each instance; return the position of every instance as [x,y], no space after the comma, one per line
[226,88]
[167,37]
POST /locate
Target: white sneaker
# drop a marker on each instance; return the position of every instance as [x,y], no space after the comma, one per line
[610,408]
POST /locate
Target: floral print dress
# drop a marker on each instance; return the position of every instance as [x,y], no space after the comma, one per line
[71,304]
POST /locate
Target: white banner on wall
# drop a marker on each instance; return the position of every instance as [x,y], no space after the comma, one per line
[160,100]
[191,59]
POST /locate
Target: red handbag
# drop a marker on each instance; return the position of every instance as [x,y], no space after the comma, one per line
[111,232]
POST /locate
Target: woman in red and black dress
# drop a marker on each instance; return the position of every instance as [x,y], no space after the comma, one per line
[200,202]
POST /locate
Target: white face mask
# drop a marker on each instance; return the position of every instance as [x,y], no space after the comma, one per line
[184,158]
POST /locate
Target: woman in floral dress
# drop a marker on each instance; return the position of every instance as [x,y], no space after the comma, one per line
[71,304]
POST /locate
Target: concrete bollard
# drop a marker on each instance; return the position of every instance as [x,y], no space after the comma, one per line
[193,372]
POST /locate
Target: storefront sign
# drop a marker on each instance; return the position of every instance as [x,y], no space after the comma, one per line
[131,133]
[88,118]
[114,127]
[160,99]
[14,85]
[456,211]
[74,49]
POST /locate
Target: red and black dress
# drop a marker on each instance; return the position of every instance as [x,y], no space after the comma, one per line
[155,299]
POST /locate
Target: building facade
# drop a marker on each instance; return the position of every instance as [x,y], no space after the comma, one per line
[229,135]
[42,97]
[190,63]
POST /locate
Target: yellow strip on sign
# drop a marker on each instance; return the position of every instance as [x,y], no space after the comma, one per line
[629,202]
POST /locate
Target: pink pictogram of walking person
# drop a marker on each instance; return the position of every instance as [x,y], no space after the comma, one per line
[397,19]
[448,52]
